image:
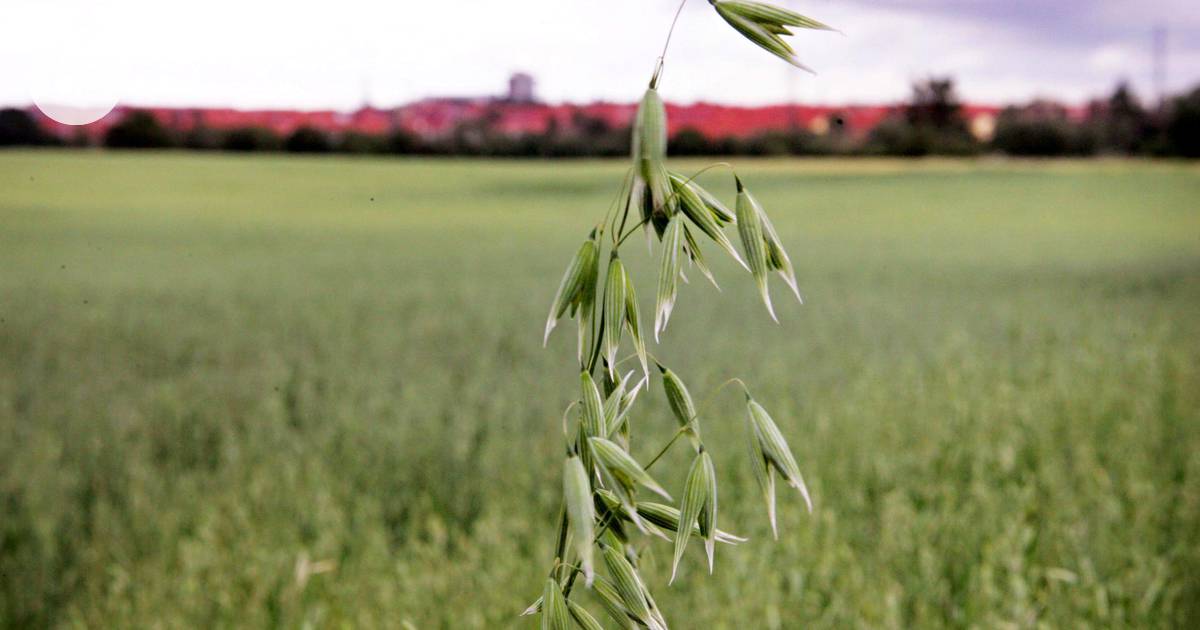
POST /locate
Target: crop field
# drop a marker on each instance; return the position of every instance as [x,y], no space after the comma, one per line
[290,392]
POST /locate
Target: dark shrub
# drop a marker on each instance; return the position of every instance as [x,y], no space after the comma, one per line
[138,130]
[1120,123]
[1183,126]
[202,138]
[1032,137]
[690,141]
[355,142]
[932,123]
[252,139]
[403,142]
[307,140]
[17,127]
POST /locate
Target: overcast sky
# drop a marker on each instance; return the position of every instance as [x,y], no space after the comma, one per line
[314,55]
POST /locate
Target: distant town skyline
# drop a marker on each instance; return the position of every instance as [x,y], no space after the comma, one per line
[271,54]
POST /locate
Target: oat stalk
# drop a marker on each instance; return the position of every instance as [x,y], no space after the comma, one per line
[605,509]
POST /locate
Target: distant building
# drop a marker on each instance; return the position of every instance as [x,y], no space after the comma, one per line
[520,88]
[518,112]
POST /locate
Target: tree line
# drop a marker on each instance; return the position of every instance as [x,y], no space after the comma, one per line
[932,122]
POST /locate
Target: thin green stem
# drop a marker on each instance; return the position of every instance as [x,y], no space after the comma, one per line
[566,433]
[709,168]
[622,193]
[662,57]
[631,231]
[663,451]
[625,214]
[707,399]
[561,545]
[598,334]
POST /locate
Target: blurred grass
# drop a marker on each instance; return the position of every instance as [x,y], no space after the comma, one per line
[215,370]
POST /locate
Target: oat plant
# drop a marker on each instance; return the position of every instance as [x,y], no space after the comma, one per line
[611,502]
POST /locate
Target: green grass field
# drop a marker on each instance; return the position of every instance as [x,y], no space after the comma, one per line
[217,371]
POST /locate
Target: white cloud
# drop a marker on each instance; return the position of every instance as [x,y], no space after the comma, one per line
[275,53]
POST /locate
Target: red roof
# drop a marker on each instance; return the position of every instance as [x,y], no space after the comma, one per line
[434,117]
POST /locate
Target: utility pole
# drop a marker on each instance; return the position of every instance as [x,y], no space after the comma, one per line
[1160,64]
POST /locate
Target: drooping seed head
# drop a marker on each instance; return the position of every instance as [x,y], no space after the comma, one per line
[777,257]
[628,585]
[720,212]
[699,214]
[615,303]
[534,608]
[554,608]
[696,495]
[620,426]
[766,25]
[634,320]
[650,127]
[667,517]
[613,604]
[593,406]
[649,144]
[612,403]
[707,519]
[775,449]
[582,617]
[574,283]
[577,489]
[750,229]
[769,14]
[693,251]
[668,274]
[655,611]
[680,402]
[764,475]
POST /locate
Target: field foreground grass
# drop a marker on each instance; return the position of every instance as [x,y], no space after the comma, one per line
[271,391]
